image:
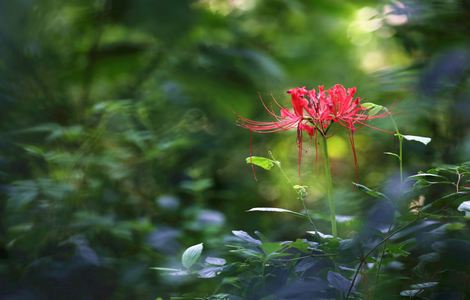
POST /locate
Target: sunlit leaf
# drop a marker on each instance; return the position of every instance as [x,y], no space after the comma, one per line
[425,175]
[262,162]
[421,139]
[465,207]
[191,255]
[372,108]
[275,209]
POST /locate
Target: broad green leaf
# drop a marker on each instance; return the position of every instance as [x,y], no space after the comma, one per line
[191,255]
[275,209]
[262,162]
[421,139]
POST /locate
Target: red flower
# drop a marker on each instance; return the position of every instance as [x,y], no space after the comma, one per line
[346,110]
[314,112]
[285,121]
[298,100]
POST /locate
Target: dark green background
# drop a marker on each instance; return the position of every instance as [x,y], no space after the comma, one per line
[119,145]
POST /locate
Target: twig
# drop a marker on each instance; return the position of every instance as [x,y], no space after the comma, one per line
[363,259]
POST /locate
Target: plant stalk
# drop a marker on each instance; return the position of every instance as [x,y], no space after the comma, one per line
[329,187]
[400,153]
[400,141]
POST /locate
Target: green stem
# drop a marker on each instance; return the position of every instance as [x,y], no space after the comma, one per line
[329,187]
[307,211]
[300,192]
[400,153]
[400,141]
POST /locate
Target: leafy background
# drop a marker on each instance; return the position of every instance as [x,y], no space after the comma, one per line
[119,147]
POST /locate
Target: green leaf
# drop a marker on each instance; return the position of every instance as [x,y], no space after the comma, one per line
[216,261]
[465,207]
[370,191]
[165,269]
[191,255]
[248,253]
[392,154]
[421,139]
[269,248]
[410,293]
[396,250]
[262,162]
[300,245]
[210,272]
[275,209]
[338,281]
[425,175]
[246,237]
[172,272]
[372,108]
[321,235]
[197,185]
[424,285]
[450,200]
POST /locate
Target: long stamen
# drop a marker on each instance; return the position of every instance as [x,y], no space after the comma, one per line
[353,148]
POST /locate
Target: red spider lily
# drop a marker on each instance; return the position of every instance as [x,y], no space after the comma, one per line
[314,112]
[285,121]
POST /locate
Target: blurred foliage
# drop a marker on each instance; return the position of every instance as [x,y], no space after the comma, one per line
[412,243]
[119,147]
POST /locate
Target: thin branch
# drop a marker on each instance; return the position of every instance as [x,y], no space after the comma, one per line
[363,259]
